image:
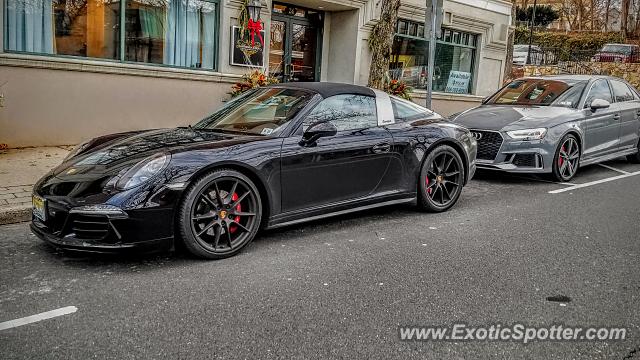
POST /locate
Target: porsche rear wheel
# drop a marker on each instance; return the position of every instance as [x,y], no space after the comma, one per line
[220,214]
[441,179]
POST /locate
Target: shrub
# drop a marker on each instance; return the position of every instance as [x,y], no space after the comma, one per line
[252,80]
[568,41]
[399,89]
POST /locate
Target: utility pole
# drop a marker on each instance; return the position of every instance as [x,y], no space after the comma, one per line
[533,23]
[432,23]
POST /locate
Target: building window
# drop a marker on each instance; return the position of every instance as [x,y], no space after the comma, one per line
[454,58]
[170,32]
[84,28]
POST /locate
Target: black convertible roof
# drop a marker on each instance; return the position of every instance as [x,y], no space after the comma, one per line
[327,89]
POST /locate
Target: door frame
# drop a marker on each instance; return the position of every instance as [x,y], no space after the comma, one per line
[289,20]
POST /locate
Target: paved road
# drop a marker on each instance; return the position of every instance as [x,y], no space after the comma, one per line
[340,288]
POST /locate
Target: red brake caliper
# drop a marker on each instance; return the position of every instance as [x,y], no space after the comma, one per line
[426,180]
[238,208]
[560,160]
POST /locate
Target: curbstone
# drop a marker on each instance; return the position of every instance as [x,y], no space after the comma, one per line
[15,214]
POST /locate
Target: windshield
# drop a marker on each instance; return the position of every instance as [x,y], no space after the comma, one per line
[540,93]
[618,49]
[264,111]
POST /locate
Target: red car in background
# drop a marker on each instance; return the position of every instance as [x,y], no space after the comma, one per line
[625,53]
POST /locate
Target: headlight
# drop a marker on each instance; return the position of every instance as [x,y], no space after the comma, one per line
[528,134]
[143,171]
[77,150]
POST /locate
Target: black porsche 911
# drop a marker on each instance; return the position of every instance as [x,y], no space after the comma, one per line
[274,156]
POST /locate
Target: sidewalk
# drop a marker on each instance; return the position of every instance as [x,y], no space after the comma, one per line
[19,170]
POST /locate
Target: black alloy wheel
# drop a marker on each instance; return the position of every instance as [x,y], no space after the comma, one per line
[441,179]
[567,159]
[220,214]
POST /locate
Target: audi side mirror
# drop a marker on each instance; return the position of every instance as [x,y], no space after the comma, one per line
[599,104]
[317,130]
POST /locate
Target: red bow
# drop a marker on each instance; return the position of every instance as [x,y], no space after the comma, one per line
[254,28]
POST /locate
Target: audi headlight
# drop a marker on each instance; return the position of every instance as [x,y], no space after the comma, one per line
[528,134]
[143,171]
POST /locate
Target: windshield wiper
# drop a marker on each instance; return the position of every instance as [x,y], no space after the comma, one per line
[222,131]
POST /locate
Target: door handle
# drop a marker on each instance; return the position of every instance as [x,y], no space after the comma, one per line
[616,117]
[382,148]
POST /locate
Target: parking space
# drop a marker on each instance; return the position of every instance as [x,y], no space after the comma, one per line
[340,287]
[587,176]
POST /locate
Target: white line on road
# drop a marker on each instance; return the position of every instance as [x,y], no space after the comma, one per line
[579,186]
[614,169]
[38,317]
[542,180]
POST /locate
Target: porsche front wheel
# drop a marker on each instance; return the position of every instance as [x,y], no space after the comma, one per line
[441,179]
[220,214]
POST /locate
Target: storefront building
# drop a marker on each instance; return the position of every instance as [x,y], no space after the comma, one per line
[73,69]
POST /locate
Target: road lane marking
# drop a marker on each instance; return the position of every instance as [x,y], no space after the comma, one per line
[543,180]
[614,169]
[38,317]
[579,186]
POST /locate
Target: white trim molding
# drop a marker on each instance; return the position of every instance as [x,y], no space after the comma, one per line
[111,67]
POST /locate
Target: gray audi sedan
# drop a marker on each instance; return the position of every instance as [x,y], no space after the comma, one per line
[555,124]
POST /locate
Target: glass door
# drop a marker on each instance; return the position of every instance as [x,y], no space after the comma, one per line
[295,38]
[277,49]
[304,45]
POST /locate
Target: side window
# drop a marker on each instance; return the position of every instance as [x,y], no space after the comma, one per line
[621,91]
[404,110]
[599,90]
[346,112]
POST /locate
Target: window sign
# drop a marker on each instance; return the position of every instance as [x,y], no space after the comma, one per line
[458,82]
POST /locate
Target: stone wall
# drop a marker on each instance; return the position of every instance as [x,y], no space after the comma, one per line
[629,72]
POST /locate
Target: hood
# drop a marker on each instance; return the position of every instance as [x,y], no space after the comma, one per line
[120,154]
[505,117]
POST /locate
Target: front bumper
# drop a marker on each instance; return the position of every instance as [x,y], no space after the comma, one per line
[140,230]
[75,244]
[516,156]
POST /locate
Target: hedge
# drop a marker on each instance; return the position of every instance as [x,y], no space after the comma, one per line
[572,41]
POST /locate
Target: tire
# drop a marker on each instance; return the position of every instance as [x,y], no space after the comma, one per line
[635,158]
[566,160]
[219,215]
[441,179]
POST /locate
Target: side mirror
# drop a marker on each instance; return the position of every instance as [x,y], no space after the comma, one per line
[599,104]
[317,130]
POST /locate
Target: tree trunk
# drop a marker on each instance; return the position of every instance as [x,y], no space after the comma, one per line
[381,41]
[593,15]
[607,8]
[624,21]
[508,66]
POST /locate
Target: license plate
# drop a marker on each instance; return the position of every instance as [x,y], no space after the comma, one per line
[39,208]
